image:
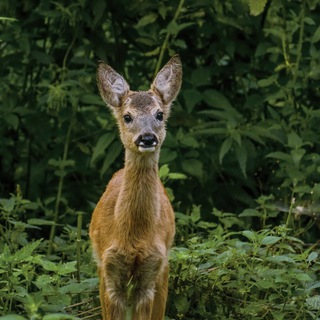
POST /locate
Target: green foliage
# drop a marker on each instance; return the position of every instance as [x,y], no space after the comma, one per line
[266,274]
[242,138]
[32,283]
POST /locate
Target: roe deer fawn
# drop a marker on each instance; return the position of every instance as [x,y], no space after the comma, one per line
[132,226]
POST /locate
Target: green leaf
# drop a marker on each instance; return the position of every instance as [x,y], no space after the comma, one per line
[193,167]
[26,252]
[216,99]
[153,52]
[257,6]
[277,32]
[112,153]
[267,82]
[66,268]
[59,316]
[313,302]
[312,256]
[181,303]
[12,317]
[76,287]
[309,21]
[280,67]
[167,155]
[49,266]
[43,281]
[249,234]
[225,148]
[200,77]
[219,114]
[250,213]
[280,258]
[294,141]
[303,277]
[5,255]
[316,36]
[265,284]
[297,155]
[210,131]
[92,99]
[40,222]
[147,19]
[41,57]
[12,20]
[12,120]
[192,98]
[315,74]
[98,9]
[177,176]
[102,144]
[164,171]
[270,240]
[183,218]
[195,214]
[314,286]
[278,315]
[242,156]
[189,141]
[316,191]
[174,28]
[8,205]
[279,155]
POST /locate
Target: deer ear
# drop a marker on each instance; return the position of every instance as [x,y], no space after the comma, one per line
[111,85]
[167,82]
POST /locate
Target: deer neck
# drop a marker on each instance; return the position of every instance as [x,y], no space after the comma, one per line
[138,204]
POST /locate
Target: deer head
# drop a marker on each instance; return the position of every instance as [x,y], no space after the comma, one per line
[141,116]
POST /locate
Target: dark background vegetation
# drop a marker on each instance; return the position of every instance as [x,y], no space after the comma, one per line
[241,160]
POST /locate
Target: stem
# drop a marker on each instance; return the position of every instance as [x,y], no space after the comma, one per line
[299,55]
[64,63]
[264,218]
[79,228]
[60,186]
[166,39]
[284,40]
[4,237]
[289,217]
[64,157]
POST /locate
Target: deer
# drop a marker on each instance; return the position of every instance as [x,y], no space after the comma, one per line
[133,224]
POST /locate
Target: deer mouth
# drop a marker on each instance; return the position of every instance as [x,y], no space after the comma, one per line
[147,142]
[147,148]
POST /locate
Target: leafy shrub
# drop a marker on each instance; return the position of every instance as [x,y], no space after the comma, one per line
[32,283]
[243,136]
[266,274]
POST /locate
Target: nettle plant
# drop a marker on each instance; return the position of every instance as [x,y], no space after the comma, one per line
[32,283]
[265,274]
[260,124]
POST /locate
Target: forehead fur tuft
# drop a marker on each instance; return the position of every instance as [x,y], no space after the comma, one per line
[142,100]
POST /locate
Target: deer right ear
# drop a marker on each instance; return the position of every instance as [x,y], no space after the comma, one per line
[112,86]
[168,80]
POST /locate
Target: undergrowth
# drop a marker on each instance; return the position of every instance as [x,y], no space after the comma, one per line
[244,133]
[243,274]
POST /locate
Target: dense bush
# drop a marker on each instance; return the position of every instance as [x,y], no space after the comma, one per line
[243,136]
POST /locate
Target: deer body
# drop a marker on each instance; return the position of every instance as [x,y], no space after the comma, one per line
[132,226]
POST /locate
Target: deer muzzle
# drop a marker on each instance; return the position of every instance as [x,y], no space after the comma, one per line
[147,142]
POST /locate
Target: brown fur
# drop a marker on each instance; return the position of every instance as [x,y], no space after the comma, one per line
[132,227]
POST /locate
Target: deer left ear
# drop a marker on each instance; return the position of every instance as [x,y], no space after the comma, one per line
[111,85]
[167,82]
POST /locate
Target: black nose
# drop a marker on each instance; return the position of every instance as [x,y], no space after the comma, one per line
[146,140]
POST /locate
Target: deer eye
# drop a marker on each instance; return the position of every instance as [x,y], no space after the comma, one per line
[127,118]
[159,116]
